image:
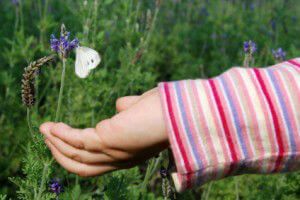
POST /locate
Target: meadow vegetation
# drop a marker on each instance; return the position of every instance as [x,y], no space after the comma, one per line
[141,42]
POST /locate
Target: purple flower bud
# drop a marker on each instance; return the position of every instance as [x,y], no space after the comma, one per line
[73,44]
[279,54]
[55,186]
[63,45]
[250,47]
[54,43]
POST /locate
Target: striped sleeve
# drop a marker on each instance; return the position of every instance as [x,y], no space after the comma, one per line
[246,120]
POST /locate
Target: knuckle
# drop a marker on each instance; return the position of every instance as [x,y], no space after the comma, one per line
[76,156]
[106,128]
[80,143]
[103,128]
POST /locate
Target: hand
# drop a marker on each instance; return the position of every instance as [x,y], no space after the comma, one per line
[130,137]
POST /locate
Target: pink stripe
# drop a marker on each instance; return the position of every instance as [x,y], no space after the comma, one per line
[172,137]
[217,123]
[279,137]
[295,95]
[282,129]
[175,128]
[232,134]
[195,135]
[294,62]
[203,124]
[294,84]
[181,131]
[266,112]
[288,102]
[240,112]
[225,124]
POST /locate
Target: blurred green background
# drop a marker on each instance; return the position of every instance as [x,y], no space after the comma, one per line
[141,43]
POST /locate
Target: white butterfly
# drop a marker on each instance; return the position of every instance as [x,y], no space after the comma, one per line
[86,60]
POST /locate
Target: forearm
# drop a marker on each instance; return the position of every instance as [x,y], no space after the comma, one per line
[243,121]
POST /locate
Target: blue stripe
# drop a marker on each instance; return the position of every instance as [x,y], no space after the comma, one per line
[185,123]
[234,113]
[283,108]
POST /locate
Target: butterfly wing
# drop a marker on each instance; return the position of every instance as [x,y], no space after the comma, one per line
[86,60]
[92,57]
[81,69]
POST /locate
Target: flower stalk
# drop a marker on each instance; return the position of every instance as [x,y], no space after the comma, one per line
[61,90]
[29,122]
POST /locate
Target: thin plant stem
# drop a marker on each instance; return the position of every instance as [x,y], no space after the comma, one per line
[61,90]
[147,176]
[29,122]
[45,169]
[237,196]
[208,191]
[21,16]
[17,18]
[152,166]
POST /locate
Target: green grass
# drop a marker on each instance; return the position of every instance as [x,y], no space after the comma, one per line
[141,43]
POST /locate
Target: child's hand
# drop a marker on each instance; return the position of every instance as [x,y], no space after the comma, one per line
[135,134]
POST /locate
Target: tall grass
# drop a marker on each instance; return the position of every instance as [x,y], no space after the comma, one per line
[141,43]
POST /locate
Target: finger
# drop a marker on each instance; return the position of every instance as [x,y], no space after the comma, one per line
[79,138]
[79,155]
[84,170]
[124,103]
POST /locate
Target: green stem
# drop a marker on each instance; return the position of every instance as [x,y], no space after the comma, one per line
[61,90]
[29,122]
[152,166]
[45,169]
[237,196]
[21,16]
[208,191]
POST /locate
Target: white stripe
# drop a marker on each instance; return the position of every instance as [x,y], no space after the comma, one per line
[194,121]
[244,115]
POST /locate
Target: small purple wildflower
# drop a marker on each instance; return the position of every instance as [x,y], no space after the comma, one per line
[279,54]
[63,45]
[250,47]
[55,186]
[252,6]
[15,2]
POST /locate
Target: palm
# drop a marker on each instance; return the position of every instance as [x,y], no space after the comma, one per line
[135,134]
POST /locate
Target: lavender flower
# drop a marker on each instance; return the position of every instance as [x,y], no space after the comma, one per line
[55,186]
[279,54]
[250,47]
[63,45]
